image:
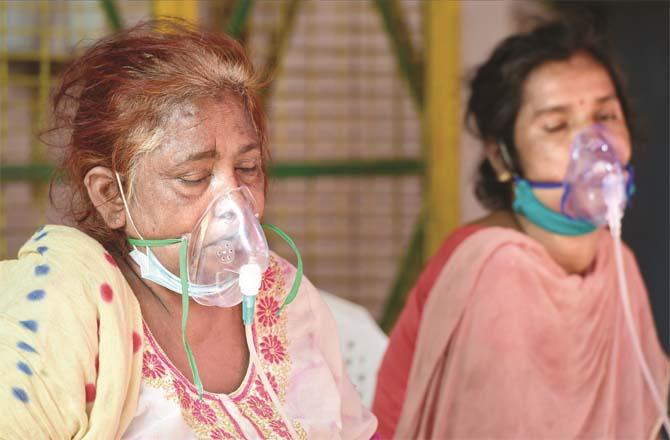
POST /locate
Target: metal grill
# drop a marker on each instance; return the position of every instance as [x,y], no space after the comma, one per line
[336,96]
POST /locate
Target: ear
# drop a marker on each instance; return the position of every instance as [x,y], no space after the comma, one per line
[495,157]
[103,190]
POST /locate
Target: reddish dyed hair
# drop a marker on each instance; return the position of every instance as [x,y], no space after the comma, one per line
[114,100]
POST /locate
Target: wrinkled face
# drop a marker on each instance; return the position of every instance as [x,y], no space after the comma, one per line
[206,150]
[561,98]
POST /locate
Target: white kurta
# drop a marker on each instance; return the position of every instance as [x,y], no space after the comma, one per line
[299,352]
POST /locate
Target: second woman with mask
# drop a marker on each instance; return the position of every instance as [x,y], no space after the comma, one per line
[516,328]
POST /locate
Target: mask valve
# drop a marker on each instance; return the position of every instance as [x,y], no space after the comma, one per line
[250,284]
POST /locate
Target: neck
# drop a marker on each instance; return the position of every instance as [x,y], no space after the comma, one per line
[575,254]
[162,308]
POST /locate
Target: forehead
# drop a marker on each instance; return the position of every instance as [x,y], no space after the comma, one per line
[579,78]
[219,124]
[209,114]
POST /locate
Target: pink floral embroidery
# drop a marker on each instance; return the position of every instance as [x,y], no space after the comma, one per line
[202,412]
[182,394]
[272,349]
[151,366]
[220,434]
[260,389]
[267,311]
[259,406]
[268,279]
[279,428]
[209,417]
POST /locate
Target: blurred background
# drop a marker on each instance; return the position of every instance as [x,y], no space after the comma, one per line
[371,165]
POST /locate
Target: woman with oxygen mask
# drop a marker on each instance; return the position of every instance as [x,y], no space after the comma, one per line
[181,323]
[596,190]
[543,319]
[225,255]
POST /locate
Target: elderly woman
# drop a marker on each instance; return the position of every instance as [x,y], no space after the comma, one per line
[516,328]
[131,326]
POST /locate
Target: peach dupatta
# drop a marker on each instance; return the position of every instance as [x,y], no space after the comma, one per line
[510,346]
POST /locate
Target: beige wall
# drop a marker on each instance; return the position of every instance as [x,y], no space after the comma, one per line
[484,23]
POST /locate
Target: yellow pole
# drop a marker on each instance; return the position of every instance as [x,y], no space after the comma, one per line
[186,9]
[442,121]
[4,117]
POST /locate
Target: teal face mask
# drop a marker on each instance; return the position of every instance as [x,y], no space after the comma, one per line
[526,204]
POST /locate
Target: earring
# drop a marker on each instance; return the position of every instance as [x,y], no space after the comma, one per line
[504,177]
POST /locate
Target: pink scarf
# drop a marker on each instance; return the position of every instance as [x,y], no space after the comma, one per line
[510,346]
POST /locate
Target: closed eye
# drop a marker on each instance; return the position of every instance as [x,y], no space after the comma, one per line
[555,128]
[187,180]
[607,117]
[248,166]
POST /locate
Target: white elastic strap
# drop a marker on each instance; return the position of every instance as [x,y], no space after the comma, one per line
[125,205]
[506,157]
[266,383]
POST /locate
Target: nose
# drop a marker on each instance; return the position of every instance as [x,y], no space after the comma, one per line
[224,182]
[616,135]
[221,184]
[227,214]
[231,203]
[580,124]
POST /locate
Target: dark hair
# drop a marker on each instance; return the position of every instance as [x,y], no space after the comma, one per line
[113,102]
[497,86]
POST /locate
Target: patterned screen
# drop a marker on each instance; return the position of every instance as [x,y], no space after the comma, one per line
[337,95]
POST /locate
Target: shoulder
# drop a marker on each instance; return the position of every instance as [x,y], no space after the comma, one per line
[307,314]
[63,238]
[453,241]
[62,249]
[483,240]
[435,265]
[500,245]
[57,253]
[49,310]
[282,277]
[64,268]
[492,257]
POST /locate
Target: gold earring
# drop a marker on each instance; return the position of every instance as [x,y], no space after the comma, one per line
[505,176]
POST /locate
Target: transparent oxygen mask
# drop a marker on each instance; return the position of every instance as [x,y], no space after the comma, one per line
[594,163]
[225,239]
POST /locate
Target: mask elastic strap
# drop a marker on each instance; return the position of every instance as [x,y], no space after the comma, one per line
[125,205]
[630,181]
[298,273]
[183,249]
[541,185]
[547,185]
[630,185]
